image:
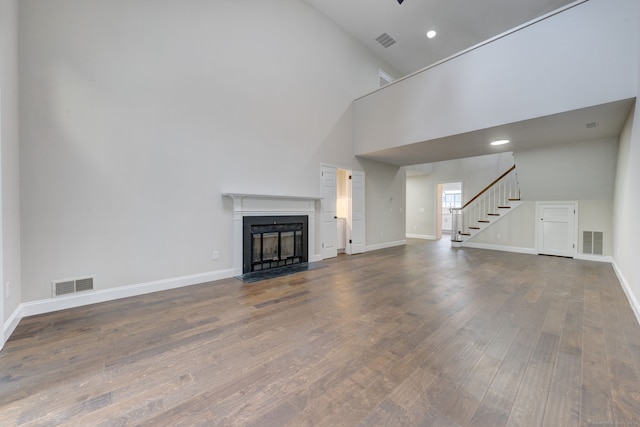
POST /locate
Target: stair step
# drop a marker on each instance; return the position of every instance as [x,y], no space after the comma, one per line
[484,220]
[474,228]
[493,214]
[504,207]
[514,200]
[465,234]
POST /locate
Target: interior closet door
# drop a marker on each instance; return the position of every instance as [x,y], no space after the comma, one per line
[556,234]
[329,217]
[356,236]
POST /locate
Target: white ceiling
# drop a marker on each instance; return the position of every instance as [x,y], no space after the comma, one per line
[461,24]
[561,128]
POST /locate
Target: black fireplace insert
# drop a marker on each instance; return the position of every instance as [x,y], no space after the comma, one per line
[273,241]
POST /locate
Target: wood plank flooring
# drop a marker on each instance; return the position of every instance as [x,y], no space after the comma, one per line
[420,335]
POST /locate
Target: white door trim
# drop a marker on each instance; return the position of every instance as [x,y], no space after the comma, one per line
[357,245]
[356,239]
[328,214]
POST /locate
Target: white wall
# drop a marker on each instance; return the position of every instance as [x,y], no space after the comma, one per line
[420,206]
[138,114]
[596,215]
[475,173]
[560,64]
[576,171]
[583,172]
[385,198]
[626,207]
[626,202]
[10,195]
[516,230]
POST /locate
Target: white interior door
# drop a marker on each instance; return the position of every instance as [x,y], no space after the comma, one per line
[556,235]
[355,221]
[329,223]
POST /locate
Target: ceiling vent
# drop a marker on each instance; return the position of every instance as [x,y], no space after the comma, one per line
[385,40]
[592,125]
[71,286]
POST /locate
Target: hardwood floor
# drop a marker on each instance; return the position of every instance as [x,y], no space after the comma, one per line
[421,335]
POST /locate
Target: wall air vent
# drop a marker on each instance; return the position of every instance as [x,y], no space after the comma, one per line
[71,286]
[385,40]
[593,242]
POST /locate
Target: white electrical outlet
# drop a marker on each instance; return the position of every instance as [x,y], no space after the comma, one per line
[6,290]
[216,255]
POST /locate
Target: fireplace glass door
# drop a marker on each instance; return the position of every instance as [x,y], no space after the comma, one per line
[275,245]
[275,242]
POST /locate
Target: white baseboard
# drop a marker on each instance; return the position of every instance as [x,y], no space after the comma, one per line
[316,258]
[635,306]
[503,248]
[588,257]
[421,236]
[76,300]
[385,245]
[10,324]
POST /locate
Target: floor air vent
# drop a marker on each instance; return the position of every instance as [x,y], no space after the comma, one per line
[72,286]
[593,242]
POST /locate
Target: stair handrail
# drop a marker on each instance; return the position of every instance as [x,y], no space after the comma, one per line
[470,215]
[485,189]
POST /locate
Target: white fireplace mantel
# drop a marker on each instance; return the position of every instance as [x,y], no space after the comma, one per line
[271,205]
[249,203]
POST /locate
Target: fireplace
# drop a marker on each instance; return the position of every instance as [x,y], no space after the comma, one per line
[270,207]
[273,241]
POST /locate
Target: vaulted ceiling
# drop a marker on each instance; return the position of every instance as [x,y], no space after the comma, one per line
[459,24]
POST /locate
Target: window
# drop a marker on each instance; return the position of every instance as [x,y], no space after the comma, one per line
[451,200]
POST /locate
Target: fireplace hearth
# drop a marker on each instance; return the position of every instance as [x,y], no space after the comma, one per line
[274,241]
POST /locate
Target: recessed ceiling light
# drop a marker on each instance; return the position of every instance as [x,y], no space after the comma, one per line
[500,142]
[431,34]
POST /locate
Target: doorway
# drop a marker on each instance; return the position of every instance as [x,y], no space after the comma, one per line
[448,195]
[343,215]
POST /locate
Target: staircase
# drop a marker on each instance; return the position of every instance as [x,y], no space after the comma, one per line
[495,201]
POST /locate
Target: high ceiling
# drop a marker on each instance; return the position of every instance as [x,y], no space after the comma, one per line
[462,24]
[459,24]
